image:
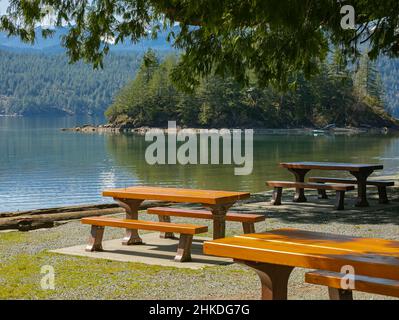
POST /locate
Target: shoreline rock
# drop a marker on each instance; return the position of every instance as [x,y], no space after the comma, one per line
[110,128]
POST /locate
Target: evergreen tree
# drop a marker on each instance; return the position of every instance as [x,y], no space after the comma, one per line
[330,97]
[368,81]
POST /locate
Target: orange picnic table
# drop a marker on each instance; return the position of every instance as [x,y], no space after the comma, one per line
[275,254]
[217,201]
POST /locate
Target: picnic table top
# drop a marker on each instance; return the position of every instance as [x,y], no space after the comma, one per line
[331,166]
[296,248]
[176,194]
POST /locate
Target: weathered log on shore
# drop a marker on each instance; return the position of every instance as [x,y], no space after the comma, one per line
[47,218]
[75,208]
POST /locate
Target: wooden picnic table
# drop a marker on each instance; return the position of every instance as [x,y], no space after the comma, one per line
[217,201]
[275,254]
[360,171]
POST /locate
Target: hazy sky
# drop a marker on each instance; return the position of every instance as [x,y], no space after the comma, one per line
[3,5]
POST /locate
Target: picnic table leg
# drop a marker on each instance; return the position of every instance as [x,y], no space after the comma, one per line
[322,193]
[340,200]
[166,235]
[96,238]
[299,177]
[219,219]
[276,196]
[340,294]
[361,177]
[184,248]
[273,277]
[382,195]
[131,206]
[248,227]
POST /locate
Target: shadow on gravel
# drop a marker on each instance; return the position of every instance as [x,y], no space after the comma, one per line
[317,211]
[320,211]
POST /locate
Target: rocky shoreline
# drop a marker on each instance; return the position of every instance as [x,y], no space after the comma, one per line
[111,128]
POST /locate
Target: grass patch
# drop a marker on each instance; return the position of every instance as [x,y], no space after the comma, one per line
[20,277]
[13,236]
[87,278]
[17,237]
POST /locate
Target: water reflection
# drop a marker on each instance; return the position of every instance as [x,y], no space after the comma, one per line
[40,166]
[128,151]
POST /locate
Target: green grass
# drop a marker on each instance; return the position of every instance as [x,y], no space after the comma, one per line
[18,237]
[20,276]
[13,236]
[23,254]
[88,278]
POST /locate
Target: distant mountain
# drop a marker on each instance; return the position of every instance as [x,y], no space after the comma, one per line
[38,80]
[389,70]
[46,84]
[14,44]
[53,44]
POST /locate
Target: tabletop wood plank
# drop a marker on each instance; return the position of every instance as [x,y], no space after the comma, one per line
[328,241]
[331,166]
[290,247]
[176,194]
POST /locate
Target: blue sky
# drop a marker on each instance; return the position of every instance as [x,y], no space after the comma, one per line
[3,6]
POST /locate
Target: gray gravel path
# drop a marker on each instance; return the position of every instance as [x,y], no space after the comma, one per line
[22,255]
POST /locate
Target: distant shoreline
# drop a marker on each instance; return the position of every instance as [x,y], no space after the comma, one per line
[109,128]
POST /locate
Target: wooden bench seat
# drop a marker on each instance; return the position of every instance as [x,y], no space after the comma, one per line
[332,280]
[380,184]
[247,220]
[339,188]
[186,232]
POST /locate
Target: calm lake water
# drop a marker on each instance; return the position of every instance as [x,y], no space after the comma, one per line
[41,166]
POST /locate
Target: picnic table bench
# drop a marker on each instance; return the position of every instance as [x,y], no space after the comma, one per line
[332,280]
[248,220]
[339,188]
[360,171]
[380,184]
[186,232]
[273,255]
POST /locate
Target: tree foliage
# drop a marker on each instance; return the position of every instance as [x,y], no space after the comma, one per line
[273,39]
[368,81]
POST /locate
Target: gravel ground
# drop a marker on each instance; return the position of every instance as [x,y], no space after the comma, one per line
[23,253]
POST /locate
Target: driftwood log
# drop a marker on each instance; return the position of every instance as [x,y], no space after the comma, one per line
[47,218]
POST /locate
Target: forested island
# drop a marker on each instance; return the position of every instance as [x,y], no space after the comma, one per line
[337,95]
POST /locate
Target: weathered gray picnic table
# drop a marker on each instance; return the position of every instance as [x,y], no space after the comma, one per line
[360,171]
